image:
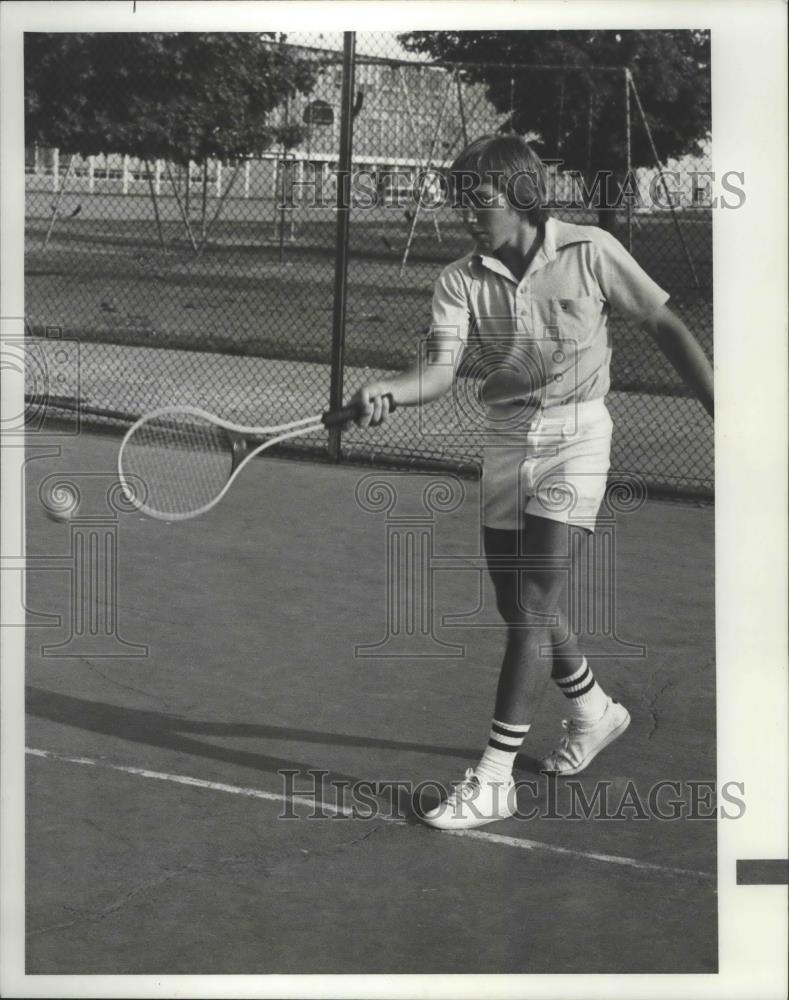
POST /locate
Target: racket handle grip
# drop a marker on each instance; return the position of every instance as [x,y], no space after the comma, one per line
[332,418]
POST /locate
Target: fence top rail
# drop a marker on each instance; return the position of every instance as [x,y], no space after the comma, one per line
[334,56]
[564,67]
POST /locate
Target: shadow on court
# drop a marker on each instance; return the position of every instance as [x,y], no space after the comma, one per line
[161,835]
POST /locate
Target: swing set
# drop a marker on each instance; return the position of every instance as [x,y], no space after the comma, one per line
[461,137]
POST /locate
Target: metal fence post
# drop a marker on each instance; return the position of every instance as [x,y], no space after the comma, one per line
[629,156]
[341,245]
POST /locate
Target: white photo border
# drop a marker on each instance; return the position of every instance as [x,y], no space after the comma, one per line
[749,79]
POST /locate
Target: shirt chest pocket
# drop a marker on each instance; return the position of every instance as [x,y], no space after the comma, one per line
[571,319]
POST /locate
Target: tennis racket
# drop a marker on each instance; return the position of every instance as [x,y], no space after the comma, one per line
[179,461]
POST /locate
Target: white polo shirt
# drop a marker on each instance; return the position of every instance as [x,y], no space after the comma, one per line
[544,340]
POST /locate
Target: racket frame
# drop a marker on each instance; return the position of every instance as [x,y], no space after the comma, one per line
[240,455]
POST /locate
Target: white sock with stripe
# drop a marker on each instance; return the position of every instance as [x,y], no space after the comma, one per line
[499,756]
[587,699]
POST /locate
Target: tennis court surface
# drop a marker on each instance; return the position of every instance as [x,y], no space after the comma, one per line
[196,662]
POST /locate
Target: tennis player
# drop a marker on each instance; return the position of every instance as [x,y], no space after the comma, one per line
[534,297]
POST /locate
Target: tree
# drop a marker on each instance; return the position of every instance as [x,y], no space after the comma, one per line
[579,115]
[185,97]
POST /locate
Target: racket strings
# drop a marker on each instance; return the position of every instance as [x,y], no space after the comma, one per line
[179,464]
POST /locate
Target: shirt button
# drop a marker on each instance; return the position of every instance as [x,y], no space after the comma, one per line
[558,378]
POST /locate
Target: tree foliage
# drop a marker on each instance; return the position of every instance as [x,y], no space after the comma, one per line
[579,114]
[173,96]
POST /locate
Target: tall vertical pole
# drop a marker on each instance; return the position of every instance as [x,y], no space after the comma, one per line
[661,175]
[343,229]
[461,109]
[629,167]
[428,167]
[280,178]
[59,199]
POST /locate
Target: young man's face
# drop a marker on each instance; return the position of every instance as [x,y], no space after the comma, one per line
[489,218]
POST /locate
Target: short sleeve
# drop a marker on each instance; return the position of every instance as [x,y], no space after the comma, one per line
[624,283]
[451,313]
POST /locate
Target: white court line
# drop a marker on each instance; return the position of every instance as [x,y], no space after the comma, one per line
[183,779]
[520,843]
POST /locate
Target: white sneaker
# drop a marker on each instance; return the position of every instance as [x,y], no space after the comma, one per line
[474,803]
[583,741]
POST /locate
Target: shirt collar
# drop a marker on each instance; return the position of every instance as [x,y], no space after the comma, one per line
[557,235]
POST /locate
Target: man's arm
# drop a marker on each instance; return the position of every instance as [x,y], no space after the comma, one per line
[430,377]
[684,352]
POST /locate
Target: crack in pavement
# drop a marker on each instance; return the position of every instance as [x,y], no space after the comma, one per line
[236,862]
[146,617]
[264,867]
[651,699]
[651,704]
[170,705]
[127,687]
[270,867]
[93,915]
[336,848]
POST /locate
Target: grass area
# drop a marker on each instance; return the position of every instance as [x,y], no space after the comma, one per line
[107,279]
[113,220]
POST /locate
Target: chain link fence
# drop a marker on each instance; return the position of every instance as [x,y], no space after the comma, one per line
[212,282]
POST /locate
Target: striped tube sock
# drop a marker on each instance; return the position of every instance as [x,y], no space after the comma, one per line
[499,756]
[587,699]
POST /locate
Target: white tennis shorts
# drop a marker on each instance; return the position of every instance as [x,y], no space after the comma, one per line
[556,466]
